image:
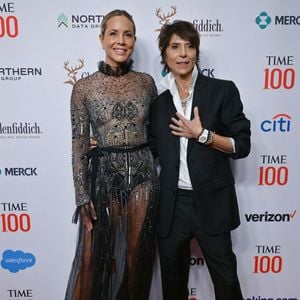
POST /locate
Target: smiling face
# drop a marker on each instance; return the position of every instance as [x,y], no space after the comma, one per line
[118,40]
[180,57]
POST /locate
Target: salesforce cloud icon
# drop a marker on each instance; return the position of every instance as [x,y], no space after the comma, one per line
[14,261]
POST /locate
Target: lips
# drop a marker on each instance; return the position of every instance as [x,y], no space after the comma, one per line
[120,50]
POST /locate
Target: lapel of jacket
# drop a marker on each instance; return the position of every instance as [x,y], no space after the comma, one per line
[198,100]
[171,112]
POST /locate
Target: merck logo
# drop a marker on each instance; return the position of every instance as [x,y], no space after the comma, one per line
[263,20]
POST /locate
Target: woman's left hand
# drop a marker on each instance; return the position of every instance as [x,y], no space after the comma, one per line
[187,128]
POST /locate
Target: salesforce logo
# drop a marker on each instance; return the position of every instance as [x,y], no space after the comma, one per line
[263,20]
[15,261]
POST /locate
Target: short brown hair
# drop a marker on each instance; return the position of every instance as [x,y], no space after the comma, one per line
[114,13]
[184,30]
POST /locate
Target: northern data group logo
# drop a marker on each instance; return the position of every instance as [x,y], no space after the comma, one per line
[79,21]
[9,73]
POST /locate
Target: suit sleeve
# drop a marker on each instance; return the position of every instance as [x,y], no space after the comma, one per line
[235,123]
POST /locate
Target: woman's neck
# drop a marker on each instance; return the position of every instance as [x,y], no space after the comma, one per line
[115,71]
[183,85]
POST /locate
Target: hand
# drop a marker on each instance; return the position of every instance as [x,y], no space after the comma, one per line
[93,143]
[187,128]
[87,215]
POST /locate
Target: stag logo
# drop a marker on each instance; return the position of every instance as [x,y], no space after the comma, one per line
[72,71]
[165,18]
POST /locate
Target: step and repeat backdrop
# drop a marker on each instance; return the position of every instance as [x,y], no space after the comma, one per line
[46,46]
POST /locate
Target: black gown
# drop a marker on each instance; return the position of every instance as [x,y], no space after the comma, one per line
[115,259]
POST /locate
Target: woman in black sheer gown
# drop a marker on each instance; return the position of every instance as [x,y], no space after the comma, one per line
[116,184]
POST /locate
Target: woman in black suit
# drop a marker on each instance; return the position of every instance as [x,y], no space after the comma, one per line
[196,126]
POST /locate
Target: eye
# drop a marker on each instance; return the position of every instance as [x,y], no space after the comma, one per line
[174,46]
[128,34]
[112,33]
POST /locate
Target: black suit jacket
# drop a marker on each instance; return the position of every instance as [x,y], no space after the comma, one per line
[221,110]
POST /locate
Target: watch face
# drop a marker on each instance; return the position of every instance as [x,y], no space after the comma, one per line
[202,139]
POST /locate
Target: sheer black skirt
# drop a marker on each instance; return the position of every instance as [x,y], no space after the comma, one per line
[115,260]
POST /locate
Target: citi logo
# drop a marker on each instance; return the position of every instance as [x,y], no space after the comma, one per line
[270,217]
[280,122]
[19,172]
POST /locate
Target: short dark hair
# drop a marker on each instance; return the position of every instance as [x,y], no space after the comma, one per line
[184,30]
[114,13]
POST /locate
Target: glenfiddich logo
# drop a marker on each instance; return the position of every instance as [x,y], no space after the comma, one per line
[72,71]
[165,18]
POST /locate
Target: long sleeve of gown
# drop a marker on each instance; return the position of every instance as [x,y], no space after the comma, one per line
[80,142]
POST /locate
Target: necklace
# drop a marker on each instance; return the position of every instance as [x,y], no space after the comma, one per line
[184,96]
[184,102]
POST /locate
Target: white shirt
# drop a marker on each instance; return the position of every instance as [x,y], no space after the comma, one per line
[168,82]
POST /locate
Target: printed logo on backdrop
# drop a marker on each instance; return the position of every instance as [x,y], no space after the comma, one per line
[206,27]
[72,71]
[20,130]
[15,261]
[192,292]
[280,123]
[79,21]
[270,217]
[209,72]
[273,170]
[14,217]
[165,18]
[268,260]
[9,23]
[18,73]
[19,172]
[280,72]
[264,20]
[15,294]
[260,297]
[196,261]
